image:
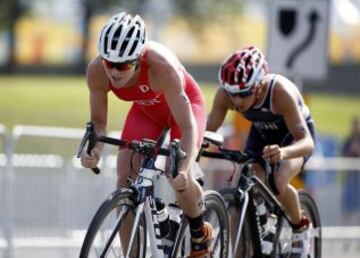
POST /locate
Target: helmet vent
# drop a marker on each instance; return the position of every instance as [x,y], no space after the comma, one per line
[240,75]
[135,44]
[106,39]
[232,76]
[116,37]
[250,75]
[126,41]
[105,45]
[143,39]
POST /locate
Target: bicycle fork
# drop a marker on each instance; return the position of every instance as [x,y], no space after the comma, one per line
[244,198]
[139,210]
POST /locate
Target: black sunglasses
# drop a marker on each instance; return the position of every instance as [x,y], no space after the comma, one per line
[244,94]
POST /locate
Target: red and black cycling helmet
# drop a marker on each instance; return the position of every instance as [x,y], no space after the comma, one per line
[242,71]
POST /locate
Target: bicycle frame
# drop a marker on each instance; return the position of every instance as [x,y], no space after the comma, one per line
[142,201]
[142,188]
[146,204]
[247,185]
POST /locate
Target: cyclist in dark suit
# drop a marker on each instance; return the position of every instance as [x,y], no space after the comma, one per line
[282,129]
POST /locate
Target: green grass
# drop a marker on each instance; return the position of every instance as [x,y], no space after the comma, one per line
[64,101]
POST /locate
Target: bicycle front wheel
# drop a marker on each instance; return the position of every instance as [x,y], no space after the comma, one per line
[109,231]
[234,207]
[308,205]
[215,214]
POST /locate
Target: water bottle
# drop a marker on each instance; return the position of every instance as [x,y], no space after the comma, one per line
[163,217]
[267,231]
[175,215]
[261,211]
[269,235]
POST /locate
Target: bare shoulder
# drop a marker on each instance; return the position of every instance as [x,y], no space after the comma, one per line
[95,75]
[284,87]
[157,52]
[164,67]
[284,94]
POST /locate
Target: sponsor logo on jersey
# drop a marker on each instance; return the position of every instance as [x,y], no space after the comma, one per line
[266,125]
[148,102]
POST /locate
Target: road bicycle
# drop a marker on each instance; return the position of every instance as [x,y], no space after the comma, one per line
[248,236]
[136,208]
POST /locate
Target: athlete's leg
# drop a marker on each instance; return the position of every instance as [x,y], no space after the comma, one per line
[191,199]
[290,200]
[138,126]
[288,196]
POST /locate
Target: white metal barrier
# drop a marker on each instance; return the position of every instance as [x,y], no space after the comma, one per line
[10,146]
[72,240]
[11,161]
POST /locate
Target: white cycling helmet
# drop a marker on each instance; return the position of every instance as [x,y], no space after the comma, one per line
[122,38]
[243,70]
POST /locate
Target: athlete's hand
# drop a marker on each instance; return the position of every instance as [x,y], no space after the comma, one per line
[273,152]
[180,182]
[90,161]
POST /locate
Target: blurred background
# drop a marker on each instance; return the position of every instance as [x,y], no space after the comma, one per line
[47,200]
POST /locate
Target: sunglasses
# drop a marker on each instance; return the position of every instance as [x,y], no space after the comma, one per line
[120,66]
[244,94]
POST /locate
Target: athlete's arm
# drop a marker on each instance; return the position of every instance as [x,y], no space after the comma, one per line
[98,87]
[285,104]
[221,104]
[166,75]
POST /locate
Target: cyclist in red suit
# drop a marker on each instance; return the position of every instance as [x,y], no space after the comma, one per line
[163,94]
[282,129]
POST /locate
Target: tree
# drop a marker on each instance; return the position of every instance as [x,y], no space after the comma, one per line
[10,11]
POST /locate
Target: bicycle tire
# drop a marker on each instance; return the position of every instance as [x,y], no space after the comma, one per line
[232,203]
[309,206]
[215,206]
[111,205]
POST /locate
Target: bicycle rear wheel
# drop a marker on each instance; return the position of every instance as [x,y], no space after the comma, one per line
[234,207]
[103,236]
[216,215]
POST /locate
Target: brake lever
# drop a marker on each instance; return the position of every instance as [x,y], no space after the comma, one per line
[176,154]
[89,137]
[92,141]
[82,144]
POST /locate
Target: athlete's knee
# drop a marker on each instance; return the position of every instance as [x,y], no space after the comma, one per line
[193,189]
[192,193]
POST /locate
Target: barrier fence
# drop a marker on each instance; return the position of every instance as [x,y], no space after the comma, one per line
[48,200]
